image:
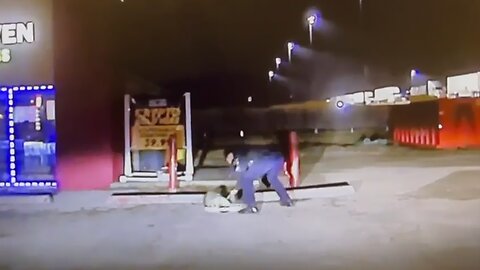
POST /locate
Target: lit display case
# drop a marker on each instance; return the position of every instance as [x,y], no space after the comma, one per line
[28,139]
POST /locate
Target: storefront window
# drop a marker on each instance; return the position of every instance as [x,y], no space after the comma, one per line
[4,173]
[34,119]
[153,121]
[148,160]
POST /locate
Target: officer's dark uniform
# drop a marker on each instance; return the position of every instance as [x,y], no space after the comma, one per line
[253,165]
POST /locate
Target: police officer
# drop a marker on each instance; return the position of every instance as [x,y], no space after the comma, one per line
[252,165]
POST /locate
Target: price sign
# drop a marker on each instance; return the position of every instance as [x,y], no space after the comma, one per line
[156,137]
[157,116]
[153,127]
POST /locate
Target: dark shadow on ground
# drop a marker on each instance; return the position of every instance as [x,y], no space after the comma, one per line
[460,185]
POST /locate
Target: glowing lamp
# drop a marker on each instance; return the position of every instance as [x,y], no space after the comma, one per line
[271,74]
[340,104]
[290,45]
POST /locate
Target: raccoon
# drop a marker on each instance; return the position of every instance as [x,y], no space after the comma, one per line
[217,197]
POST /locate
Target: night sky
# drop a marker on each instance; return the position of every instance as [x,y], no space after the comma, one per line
[221,50]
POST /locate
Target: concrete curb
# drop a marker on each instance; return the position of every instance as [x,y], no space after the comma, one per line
[67,201]
[76,201]
[183,184]
[196,197]
[124,200]
[25,199]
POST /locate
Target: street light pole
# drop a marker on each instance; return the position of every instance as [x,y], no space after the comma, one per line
[271,74]
[290,46]
[311,21]
[360,20]
[278,61]
[413,73]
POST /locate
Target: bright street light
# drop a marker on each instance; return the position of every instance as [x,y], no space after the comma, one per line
[278,61]
[249,99]
[290,46]
[271,74]
[340,104]
[413,73]
[311,22]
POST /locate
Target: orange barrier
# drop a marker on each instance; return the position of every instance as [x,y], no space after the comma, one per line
[411,136]
[444,123]
[396,135]
[459,123]
[422,137]
[416,136]
[403,134]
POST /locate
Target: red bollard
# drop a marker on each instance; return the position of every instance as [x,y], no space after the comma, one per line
[294,159]
[412,136]
[427,137]
[422,136]
[417,136]
[403,136]
[172,165]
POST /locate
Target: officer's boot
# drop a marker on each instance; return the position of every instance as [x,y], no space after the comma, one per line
[249,210]
[288,203]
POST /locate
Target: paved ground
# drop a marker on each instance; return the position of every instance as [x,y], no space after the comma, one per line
[412,210]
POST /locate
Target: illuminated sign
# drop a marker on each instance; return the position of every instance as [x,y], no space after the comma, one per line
[13,34]
[154,126]
[17,33]
[5,55]
[157,116]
